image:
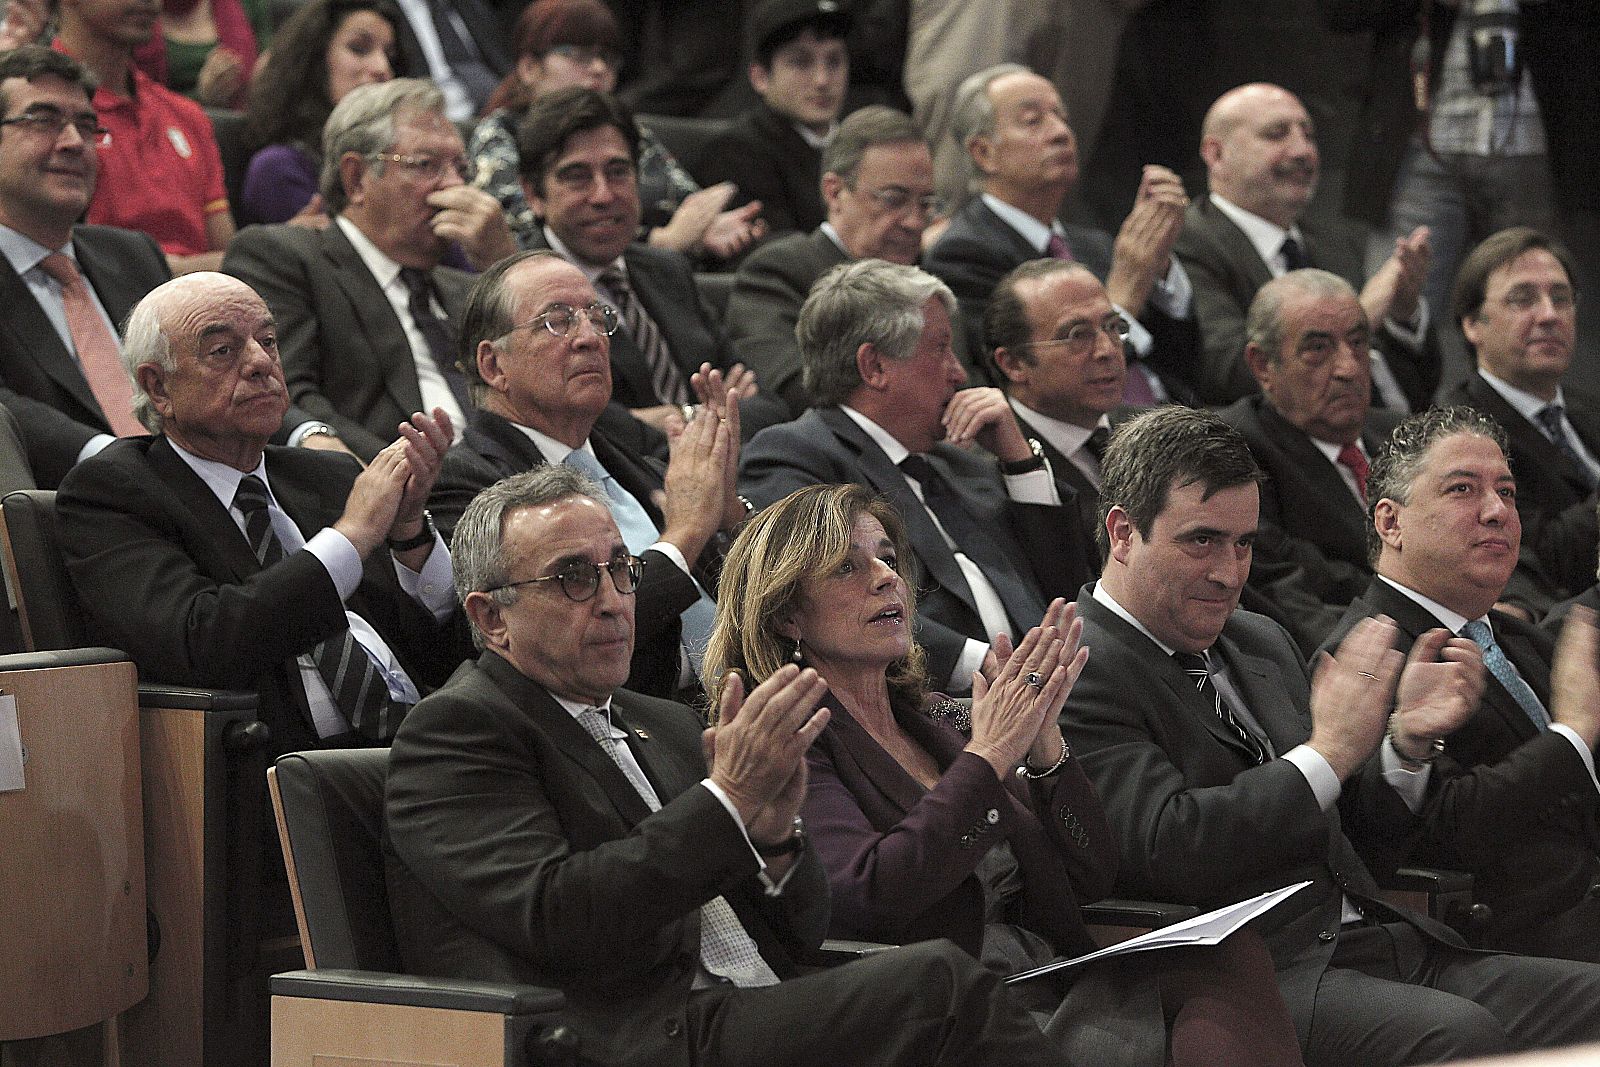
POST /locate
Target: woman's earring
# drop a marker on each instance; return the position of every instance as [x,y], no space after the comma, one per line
[798,658]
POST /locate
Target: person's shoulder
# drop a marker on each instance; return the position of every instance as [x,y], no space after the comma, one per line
[121,457]
[639,255]
[1244,415]
[275,236]
[1259,635]
[778,256]
[316,464]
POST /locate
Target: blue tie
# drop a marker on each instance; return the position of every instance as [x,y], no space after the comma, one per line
[1477,631]
[639,533]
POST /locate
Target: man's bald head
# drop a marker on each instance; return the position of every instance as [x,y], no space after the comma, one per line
[1260,151]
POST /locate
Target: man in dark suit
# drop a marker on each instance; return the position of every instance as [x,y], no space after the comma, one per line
[541,398]
[364,309]
[466,54]
[1025,163]
[1226,771]
[877,182]
[545,826]
[1516,800]
[580,153]
[800,68]
[1313,430]
[985,522]
[1517,307]
[1262,165]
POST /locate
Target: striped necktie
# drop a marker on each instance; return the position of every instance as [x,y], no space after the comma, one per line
[1198,667]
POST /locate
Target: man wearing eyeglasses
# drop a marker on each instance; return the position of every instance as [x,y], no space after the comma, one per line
[1517,304]
[538,336]
[877,183]
[365,308]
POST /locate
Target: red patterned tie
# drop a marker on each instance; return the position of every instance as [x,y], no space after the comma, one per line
[1350,456]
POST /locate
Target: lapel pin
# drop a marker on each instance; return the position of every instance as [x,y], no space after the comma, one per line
[643,735]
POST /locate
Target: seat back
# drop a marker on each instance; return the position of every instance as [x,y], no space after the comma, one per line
[36,575]
[685,137]
[330,820]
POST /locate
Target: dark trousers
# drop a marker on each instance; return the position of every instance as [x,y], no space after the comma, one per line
[1391,996]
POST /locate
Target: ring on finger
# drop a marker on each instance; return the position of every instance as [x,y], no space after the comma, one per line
[1367,674]
[1034,679]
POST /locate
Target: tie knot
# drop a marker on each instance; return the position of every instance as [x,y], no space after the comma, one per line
[611,278]
[917,467]
[1294,256]
[60,266]
[1194,663]
[252,495]
[1477,631]
[597,722]
[417,283]
[1549,417]
[580,460]
[1056,248]
[1096,444]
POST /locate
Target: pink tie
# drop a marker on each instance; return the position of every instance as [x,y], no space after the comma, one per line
[1056,248]
[1351,457]
[98,352]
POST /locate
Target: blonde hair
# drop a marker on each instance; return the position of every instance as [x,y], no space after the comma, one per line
[800,538]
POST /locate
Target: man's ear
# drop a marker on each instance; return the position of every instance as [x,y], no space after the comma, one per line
[1210,150]
[760,79]
[831,185]
[1010,365]
[489,369]
[152,379]
[981,149]
[531,194]
[1471,329]
[1261,366]
[1120,530]
[1386,520]
[870,364]
[352,169]
[484,611]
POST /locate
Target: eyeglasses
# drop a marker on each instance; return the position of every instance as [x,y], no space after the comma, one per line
[580,579]
[897,199]
[579,178]
[50,122]
[431,168]
[1525,298]
[584,54]
[1081,338]
[560,319]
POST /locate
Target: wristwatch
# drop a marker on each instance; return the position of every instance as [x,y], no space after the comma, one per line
[424,537]
[1412,763]
[1033,463]
[789,845]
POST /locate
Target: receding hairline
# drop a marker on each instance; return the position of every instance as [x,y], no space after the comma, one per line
[1228,111]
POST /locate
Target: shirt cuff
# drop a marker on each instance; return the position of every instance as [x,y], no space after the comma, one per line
[1319,774]
[1412,785]
[93,446]
[1410,334]
[434,586]
[298,435]
[339,557]
[772,888]
[969,663]
[1034,487]
[1173,295]
[674,553]
[1138,336]
[1577,742]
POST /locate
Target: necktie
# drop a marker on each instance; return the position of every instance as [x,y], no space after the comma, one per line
[1477,631]
[1294,256]
[1198,667]
[945,505]
[352,678]
[1096,444]
[639,533]
[462,55]
[1350,456]
[98,352]
[436,333]
[665,376]
[1056,248]
[1136,389]
[1549,418]
[725,948]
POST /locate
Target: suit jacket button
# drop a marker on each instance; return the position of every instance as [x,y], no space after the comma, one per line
[1326,936]
[993,815]
[674,1028]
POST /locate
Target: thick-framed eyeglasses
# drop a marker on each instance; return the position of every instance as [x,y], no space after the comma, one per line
[897,200]
[1081,338]
[580,579]
[562,319]
[431,168]
[50,122]
[584,54]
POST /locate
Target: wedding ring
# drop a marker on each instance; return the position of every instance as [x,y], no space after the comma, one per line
[1364,674]
[1034,680]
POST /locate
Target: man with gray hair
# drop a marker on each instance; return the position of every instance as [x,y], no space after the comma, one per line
[1024,161]
[986,523]
[545,825]
[365,309]
[877,186]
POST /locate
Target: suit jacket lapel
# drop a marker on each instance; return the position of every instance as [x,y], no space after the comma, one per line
[36,338]
[988,222]
[1259,685]
[219,534]
[1323,481]
[379,323]
[1238,247]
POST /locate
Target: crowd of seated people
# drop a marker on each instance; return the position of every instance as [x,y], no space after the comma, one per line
[1252,542]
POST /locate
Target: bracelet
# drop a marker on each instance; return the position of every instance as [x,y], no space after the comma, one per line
[425,537]
[1024,771]
[1412,763]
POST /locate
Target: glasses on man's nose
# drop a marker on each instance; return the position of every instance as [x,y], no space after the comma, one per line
[1081,338]
[428,169]
[51,122]
[580,579]
[562,319]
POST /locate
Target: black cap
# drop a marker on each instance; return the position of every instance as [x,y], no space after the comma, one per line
[773,16]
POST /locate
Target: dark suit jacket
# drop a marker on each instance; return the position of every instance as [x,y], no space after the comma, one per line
[1511,804]
[979,249]
[517,851]
[772,283]
[1555,504]
[1311,545]
[345,354]
[163,572]
[1025,558]
[1072,484]
[1196,820]
[493,448]
[483,25]
[39,379]
[764,155]
[1226,273]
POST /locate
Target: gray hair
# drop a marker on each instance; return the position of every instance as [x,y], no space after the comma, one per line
[489,314]
[477,553]
[143,342]
[862,129]
[972,112]
[363,123]
[1400,460]
[868,301]
[1263,324]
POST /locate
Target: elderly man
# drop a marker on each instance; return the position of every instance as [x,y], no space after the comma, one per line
[365,310]
[534,340]
[1227,770]
[580,155]
[1518,307]
[1313,430]
[1262,165]
[1517,800]
[544,825]
[890,413]
[877,183]
[216,560]
[1024,162]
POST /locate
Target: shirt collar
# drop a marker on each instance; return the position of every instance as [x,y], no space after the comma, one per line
[592,273]
[819,141]
[833,235]
[1452,621]
[1526,404]
[222,479]
[24,253]
[1104,597]
[1266,237]
[1032,230]
[554,452]
[576,708]
[880,437]
[383,269]
[1066,436]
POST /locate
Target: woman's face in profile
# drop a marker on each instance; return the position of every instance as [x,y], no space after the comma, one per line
[360,52]
[857,613]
